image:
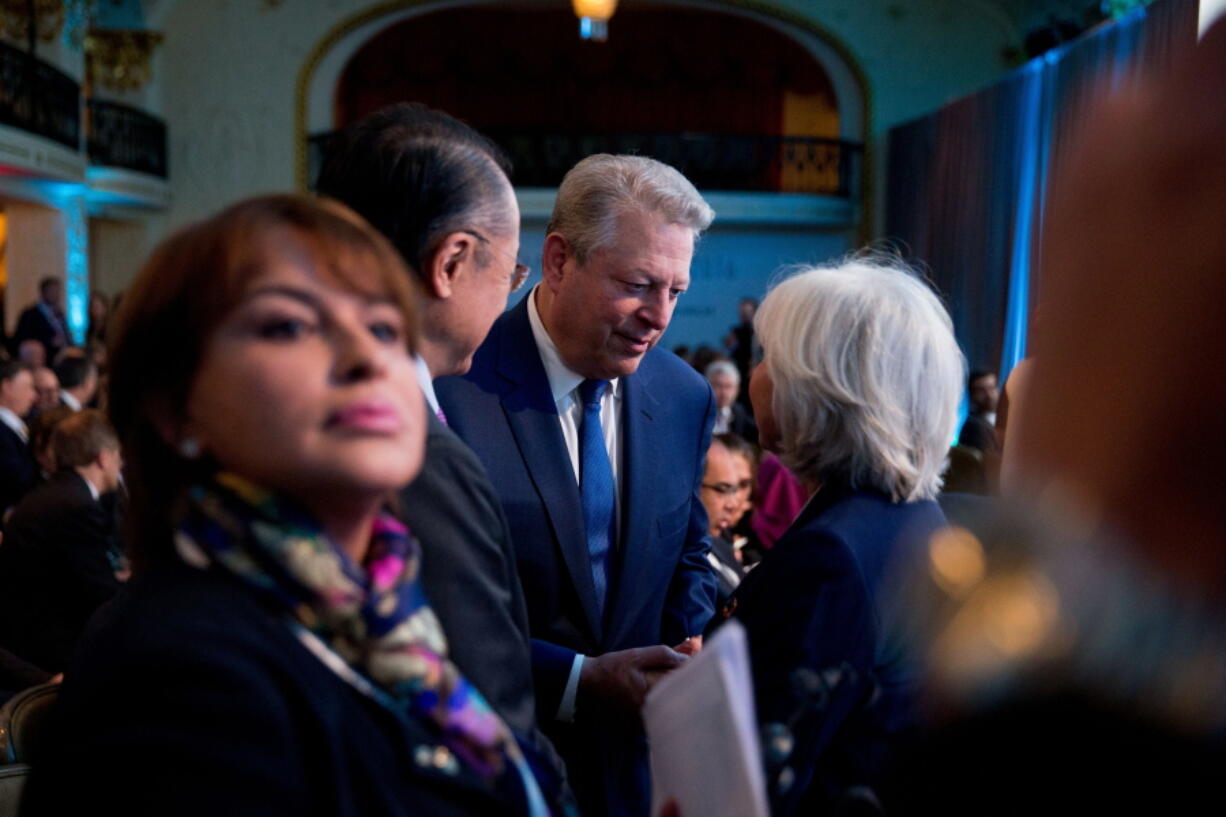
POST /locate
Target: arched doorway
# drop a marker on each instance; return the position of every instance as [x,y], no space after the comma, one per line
[736,101]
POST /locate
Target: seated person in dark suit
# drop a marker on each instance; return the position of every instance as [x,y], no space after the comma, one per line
[731,416]
[78,375]
[274,653]
[59,551]
[18,471]
[979,430]
[858,393]
[47,391]
[44,320]
[722,497]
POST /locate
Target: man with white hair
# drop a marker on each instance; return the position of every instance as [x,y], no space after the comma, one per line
[731,416]
[595,441]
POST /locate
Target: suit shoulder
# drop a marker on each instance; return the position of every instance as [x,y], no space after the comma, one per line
[680,376]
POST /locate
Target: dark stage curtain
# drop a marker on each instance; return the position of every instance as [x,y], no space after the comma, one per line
[967,184]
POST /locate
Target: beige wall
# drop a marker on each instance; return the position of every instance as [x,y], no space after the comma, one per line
[36,240]
[116,251]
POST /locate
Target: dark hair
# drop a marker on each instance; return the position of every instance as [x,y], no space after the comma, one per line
[417,174]
[188,286]
[42,426]
[977,374]
[737,444]
[77,440]
[11,368]
[73,370]
[50,280]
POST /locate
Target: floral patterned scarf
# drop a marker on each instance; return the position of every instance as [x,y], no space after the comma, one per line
[375,616]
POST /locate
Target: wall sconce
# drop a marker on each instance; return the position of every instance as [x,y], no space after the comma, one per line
[594,18]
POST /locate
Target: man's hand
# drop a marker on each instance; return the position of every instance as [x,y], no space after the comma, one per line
[691,646]
[623,678]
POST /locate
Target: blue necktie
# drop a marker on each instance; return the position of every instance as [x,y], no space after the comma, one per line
[596,487]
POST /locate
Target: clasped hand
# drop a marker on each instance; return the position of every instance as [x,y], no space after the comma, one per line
[623,678]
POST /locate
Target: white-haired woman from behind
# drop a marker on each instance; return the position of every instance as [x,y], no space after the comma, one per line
[858,394]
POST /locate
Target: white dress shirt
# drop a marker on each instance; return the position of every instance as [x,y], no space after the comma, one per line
[426,382]
[10,419]
[564,385]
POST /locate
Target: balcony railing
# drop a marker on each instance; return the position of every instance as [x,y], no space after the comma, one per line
[125,137]
[39,99]
[755,162]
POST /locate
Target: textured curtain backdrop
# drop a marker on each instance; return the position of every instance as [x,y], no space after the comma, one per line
[967,183]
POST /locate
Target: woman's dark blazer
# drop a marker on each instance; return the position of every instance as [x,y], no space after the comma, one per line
[811,612]
[189,696]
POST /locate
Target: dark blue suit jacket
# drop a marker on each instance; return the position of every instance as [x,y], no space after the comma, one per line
[811,610]
[661,589]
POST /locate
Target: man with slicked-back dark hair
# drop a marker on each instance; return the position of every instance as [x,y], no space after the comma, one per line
[439,191]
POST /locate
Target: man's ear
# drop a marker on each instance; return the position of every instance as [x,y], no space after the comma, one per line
[445,263]
[554,255]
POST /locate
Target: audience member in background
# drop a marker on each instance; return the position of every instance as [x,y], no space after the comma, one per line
[32,353]
[78,376]
[682,351]
[731,417]
[979,430]
[446,204]
[57,563]
[18,470]
[1108,695]
[46,391]
[44,320]
[858,392]
[99,315]
[594,440]
[275,653]
[780,497]
[745,457]
[740,340]
[41,429]
[721,496]
[704,356]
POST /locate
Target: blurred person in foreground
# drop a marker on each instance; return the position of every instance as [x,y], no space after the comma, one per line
[275,653]
[57,562]
[858,393]
[1076,644]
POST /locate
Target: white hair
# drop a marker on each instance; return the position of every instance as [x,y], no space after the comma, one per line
[726,367]
[867,376]
[598,190]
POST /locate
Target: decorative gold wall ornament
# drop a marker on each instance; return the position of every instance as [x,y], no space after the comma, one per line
[48,17]
[119,59]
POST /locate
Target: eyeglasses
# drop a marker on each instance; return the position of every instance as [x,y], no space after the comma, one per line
[519,275]
[728,488]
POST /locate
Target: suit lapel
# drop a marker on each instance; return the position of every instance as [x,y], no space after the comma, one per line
[533,418]
[641,466]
